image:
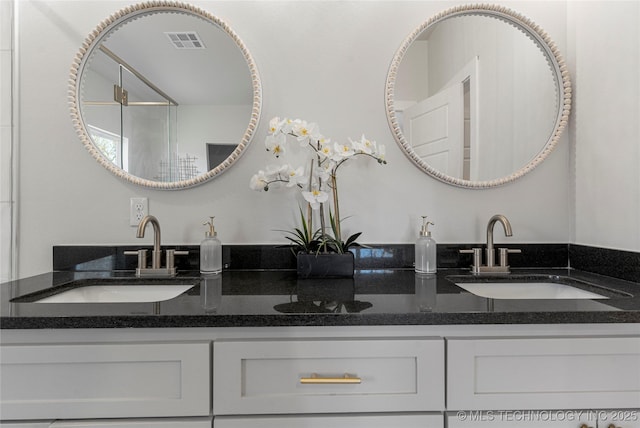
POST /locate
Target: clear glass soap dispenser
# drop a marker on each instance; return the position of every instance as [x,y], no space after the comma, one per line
[425,249]
[210,251]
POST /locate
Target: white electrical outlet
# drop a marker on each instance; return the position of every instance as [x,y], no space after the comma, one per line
[138,208]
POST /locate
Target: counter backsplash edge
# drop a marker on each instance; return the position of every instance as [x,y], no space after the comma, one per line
[615,263]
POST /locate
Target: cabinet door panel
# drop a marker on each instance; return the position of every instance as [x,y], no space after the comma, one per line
[333,421]
[105,380]
[543,373]
[24,424]
[138,423]
[265,377]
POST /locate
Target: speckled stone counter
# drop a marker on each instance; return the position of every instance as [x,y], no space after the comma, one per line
[244,298]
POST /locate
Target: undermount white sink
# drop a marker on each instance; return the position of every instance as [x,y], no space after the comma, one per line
[527,290]
[125,293]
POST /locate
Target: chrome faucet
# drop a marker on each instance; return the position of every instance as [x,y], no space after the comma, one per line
[156,268]
[490,256]
[156,256]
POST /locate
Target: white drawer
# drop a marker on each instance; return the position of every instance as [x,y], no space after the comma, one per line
[105,380]
[543,373]
[24,424]
[264,376]
[138,423]
[333,421]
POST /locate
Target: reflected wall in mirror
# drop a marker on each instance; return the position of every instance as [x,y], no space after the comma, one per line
[155,86]
[477,96]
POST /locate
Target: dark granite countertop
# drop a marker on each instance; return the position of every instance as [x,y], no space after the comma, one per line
[260,298]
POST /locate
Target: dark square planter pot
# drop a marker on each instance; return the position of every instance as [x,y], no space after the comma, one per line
[329,265]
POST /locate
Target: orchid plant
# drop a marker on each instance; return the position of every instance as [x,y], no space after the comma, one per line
[318,183]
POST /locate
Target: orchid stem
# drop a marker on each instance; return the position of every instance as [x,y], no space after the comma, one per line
[309,210]
[336,208]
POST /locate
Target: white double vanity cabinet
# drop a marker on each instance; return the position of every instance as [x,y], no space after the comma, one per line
[347,376]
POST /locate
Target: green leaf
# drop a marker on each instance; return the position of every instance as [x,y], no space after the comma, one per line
[352,240]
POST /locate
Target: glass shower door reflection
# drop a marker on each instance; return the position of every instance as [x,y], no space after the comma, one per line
[148,123]
[101,112]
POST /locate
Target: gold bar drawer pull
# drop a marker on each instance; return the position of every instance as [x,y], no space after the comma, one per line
[315,379]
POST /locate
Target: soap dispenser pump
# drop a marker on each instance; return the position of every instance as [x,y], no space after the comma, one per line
[425,249]
[210,251]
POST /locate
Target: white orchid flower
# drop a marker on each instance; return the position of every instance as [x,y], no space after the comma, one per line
[325,151]
[381,152]
[323,172]
[357,147]
[306,131]
[291,125]
[298,127]
[276,144]
[364,145]
[282,126]
[275,172]
[275,125]
[296,176]
[342,151]
[315,198]
[259,181]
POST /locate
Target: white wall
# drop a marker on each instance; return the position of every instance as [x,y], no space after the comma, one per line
[323,61]
[606,123]
[199,125]
[6,128]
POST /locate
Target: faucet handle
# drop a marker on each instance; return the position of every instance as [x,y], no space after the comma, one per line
[477,256]
[504,254]
[171,257]
[142,257]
